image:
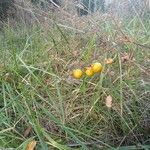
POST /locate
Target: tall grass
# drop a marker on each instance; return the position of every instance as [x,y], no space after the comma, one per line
[38,91]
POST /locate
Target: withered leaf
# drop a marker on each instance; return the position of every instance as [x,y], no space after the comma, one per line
[31,145]
[108,101]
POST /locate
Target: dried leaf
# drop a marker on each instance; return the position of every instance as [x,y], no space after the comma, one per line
[31,145]
[126,39]
[125,57]
[108,101]
[109,61]
[27,131]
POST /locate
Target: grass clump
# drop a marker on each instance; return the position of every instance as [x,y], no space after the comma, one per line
[40,100]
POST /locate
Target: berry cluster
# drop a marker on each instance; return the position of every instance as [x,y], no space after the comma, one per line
[89,71]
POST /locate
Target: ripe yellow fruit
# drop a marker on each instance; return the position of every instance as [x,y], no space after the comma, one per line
[97,67]
[77,73]
[89,72]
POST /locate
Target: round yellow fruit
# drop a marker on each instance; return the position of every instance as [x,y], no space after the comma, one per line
[89,72]
[77,73]
[97,67]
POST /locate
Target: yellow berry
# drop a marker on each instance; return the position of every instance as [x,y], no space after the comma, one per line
[77,73]
[97,67]
[89,72]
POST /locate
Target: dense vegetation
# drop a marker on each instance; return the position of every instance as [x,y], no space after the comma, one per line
[42,105]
